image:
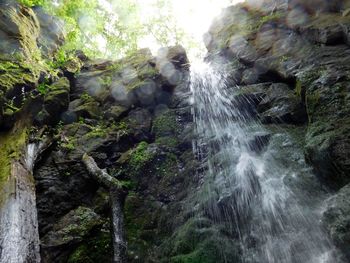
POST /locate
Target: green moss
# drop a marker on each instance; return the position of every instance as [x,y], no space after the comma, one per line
[122,125]
[137,217]
[198,241]
[168,166]
[12,73]
[312,101]
[97,132]
[269,18]
[11,145]
[106,80]
[135,84]
[95,249]
[140,156]
[141,68]
[308,77]
[250,24]
[85,97]
[69,144]
[43,88]
[168,141]
[165,125]
[298,88]
[326,20]
[26,65]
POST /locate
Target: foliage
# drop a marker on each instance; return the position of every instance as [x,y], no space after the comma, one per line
[164,27]
[110,28]
[31,3]
[140,155]
[11,147]
[43,88]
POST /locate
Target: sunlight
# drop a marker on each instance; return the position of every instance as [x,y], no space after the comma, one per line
[192,16]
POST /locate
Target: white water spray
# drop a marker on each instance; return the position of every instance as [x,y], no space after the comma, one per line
[273,224]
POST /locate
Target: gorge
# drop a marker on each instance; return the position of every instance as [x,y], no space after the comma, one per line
[243,156]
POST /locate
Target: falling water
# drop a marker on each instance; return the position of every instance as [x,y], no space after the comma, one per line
[272,222]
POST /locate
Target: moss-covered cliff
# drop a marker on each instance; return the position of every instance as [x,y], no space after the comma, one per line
[133,116]
[291,59]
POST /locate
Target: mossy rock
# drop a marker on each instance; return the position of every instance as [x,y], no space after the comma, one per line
[57,98]
[328,147]
[97,248]
[72,228]
[165,124]
[198,241]
[336,219]
[22,30]
[12,147]
[139,217]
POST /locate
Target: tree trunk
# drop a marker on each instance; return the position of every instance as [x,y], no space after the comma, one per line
[119,242]
[19,235]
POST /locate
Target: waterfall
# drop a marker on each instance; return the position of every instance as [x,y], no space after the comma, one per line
[246,180]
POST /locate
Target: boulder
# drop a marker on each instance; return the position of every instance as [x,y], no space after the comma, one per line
[56,101]
[281,105]
[336,219]
[51,35]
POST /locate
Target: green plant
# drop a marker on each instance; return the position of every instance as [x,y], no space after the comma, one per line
[99,131]
[140,156]
[43,88]
[68,145]
[31,3]
[85,97]
[81,120]
[299,88]
[284,59]
[268,18]
[122,125]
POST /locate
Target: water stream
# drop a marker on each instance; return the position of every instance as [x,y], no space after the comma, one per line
[273,222]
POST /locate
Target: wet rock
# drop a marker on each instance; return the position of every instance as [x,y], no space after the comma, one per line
[177,56]
[200,240]
[259,143]
[269,5]
[318,6]
[139,121]
[19,74]
[115,112]
[69,230]
[136,80]
[327,29]
[249,97]
[304,52]
[281,105]
[327,103]
[51,32]
[84,108]
[337,219]
[327,148]
[55,102]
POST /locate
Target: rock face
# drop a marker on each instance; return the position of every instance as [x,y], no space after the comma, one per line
[133,116]
[290,59]
[337,218]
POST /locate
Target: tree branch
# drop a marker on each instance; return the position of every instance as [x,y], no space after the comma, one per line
[117,197]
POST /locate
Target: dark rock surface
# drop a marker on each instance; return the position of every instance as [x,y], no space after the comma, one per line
[337,218]
[127,115]
[292,59]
